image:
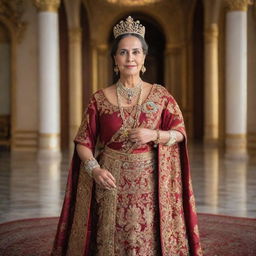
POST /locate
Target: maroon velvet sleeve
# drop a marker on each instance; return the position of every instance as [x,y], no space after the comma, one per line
[172,118]
[88,130]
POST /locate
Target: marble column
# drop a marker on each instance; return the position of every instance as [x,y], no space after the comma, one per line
[236,78]
[211,113]
[49,84]
[75,82]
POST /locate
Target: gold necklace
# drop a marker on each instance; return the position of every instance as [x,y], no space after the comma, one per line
[129,123]
[128,93]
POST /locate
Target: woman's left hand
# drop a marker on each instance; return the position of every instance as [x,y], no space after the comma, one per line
[142,135]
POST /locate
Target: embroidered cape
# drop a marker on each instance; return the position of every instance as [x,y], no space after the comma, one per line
[179,233]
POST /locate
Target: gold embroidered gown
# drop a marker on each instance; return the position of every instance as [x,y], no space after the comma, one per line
[152,210]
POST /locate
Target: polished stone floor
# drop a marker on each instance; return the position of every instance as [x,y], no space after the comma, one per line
[30,188]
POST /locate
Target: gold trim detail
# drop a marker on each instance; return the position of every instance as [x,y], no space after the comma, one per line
[49,141]
[81,214]
[211,33]
[25,140]
[47,5]
[102,48]
[237,5]
[49,135]
[236,136]
[236,141]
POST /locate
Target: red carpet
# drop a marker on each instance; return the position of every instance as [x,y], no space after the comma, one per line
[220,236]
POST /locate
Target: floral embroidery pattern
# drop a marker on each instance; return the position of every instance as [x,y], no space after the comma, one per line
[153,208]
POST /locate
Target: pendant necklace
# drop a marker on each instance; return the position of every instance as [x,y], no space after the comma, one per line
[127,124]
[128,93]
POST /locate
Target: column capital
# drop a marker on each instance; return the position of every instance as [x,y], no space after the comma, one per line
[47,5]
[75,35]
[102,48]
[211,33]
[237,5]
[172,48]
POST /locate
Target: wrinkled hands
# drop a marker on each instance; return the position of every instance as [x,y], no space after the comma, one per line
[142,135]
[104,178]
[139,135]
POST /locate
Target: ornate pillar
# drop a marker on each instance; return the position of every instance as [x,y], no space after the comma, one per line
[75,82]
[211,114]
[49,91]
[103,65]
[236,78]
[75,68]
[176,78]
[94,60]
[251,120]
[99,66]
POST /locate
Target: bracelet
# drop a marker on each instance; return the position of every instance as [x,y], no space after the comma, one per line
[90,164]
[157,141]
[172,139]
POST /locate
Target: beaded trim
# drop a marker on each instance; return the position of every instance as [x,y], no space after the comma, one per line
[90,164]
[172,139]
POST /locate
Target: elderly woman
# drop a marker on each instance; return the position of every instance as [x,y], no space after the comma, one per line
[135,197]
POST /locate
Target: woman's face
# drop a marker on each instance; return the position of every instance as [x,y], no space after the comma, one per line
[129,56]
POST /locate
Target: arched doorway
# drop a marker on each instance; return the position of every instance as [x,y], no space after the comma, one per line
[5,86]
[198,72]
[86,68]
[64,77]
[155,38]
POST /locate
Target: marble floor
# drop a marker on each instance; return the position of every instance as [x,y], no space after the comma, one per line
[31,188]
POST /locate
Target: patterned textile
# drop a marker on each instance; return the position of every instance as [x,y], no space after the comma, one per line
[220,235]
[160,218]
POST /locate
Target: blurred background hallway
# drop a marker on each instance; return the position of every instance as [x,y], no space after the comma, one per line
[54,54]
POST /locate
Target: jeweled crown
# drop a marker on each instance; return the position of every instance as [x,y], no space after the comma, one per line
[129,26]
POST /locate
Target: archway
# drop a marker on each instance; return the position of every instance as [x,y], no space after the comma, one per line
[155,38]
[5,86]
[86,68]
[64,76]
[198,72]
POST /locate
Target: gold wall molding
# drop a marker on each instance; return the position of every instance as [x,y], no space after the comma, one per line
[237,142]
[49,135]
[174,48]
[11,12]
[236,136]
[102,48]
[25,140]
[237,5]
[211,33]
[47,5]
[49,141]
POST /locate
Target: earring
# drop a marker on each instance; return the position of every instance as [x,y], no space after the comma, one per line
[116,70]
[143,69]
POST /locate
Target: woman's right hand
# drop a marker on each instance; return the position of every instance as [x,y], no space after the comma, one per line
[103,178]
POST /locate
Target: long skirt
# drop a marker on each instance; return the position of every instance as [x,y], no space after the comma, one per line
[127,218]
